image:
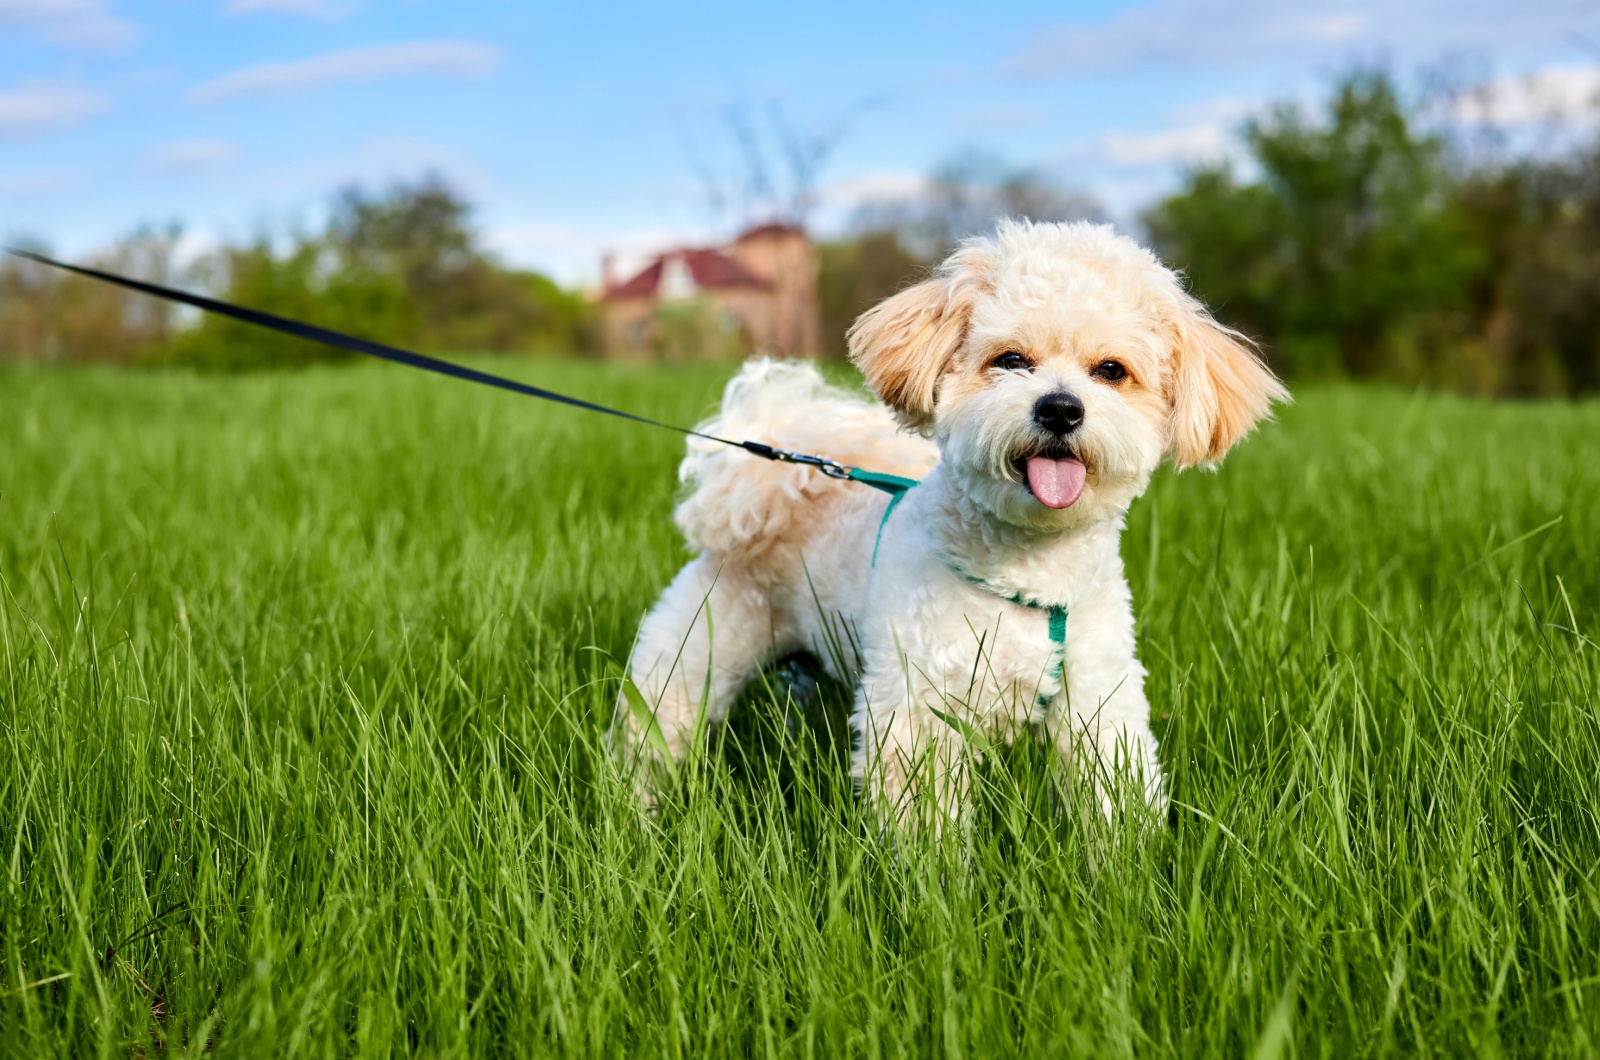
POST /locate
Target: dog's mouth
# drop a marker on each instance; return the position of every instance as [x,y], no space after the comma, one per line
[1055,475]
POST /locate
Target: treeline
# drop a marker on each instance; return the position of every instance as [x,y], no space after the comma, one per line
[1366,244]
[1369,237]
[1361,238]
[402,266]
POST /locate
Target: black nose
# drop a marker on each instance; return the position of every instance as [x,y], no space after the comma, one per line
[1059,412]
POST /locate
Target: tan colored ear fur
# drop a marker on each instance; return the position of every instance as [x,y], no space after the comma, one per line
[1218,388]
[904,343]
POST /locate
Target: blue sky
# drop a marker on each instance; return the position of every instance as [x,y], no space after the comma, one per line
[568,124]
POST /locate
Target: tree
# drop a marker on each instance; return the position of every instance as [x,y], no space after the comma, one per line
[770,166]
[1228,238]
[401,266]
[49,315]
[857,274]
[1546,309]
[1349,250]
[966,195]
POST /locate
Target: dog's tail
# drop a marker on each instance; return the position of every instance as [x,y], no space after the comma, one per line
[738,505]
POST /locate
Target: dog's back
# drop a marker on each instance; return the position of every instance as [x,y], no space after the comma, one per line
[759,513]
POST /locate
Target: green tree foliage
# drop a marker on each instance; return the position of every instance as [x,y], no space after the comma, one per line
[294,283]
[404,267]
[1542,223]
[1365,248]
[856,274]
[1349,250]
[1227,237]
[696,329]
[47,315]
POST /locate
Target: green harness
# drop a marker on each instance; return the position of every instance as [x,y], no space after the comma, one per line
[897,487]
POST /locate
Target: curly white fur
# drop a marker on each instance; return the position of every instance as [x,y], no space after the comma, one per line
[785,553]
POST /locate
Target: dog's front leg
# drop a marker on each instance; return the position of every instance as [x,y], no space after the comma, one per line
[910,760]
[1120,757]
[1102,724]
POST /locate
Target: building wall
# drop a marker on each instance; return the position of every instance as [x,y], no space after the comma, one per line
[786,257]
[753,307]
[625,328]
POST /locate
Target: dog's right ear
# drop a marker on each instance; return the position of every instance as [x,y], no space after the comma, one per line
[904,343]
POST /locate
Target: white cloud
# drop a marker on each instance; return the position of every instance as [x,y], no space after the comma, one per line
[1331,28]
[72,23]
[1555,94]
[190,155]
[1206,141]
[1192,33]
[380,61]
[999,116]
[522,241]
[321,9]
[33,110]
[566,251]
[39,182]
[1229,110]
[1126,195]
[839,202]
[379,159]
[880,186]
[193,245]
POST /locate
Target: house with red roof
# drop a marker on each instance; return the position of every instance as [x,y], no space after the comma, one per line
[757,294]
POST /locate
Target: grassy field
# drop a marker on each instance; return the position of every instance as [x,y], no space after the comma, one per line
[303,680]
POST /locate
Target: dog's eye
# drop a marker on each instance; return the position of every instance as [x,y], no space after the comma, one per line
[1011,361]
[1110,371]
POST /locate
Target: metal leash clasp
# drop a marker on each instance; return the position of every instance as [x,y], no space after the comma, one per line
[834,469]
[831,468]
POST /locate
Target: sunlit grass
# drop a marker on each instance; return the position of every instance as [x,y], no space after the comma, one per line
[303,684]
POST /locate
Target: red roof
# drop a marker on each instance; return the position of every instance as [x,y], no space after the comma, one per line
[707,267]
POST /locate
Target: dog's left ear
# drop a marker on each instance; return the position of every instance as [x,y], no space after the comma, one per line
[1217,387]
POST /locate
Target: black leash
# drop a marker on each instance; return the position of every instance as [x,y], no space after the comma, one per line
[313,333]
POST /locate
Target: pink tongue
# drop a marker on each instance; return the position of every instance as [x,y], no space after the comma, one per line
[1057,483]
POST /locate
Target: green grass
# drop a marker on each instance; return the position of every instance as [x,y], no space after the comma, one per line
[303,680]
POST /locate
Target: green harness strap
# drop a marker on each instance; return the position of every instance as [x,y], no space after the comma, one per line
[897,487]
[1058,630]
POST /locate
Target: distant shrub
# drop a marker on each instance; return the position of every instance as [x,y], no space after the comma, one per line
[402,267]
[857,274]
[47,315]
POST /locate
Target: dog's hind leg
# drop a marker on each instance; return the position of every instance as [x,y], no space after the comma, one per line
[711,632]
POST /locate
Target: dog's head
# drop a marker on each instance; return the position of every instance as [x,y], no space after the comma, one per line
[1057,365]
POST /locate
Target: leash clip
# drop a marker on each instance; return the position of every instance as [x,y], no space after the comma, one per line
[831,468]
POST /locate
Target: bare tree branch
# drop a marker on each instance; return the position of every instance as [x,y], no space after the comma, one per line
[774,165]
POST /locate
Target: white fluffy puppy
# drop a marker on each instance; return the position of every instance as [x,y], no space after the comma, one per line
[1044,374]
